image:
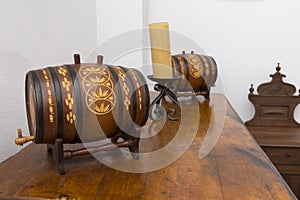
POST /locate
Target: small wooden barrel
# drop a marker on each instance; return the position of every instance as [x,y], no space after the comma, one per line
[198,72]
[84,102]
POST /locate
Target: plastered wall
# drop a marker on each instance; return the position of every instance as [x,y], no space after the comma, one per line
[36,34]
[247,38]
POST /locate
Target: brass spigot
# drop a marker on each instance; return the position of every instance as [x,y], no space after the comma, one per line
[20,140]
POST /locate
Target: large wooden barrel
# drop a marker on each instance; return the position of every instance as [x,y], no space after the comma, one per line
[198,72]
[84,102]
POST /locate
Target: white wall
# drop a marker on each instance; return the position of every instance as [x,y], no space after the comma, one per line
[118,39]
[246,37]
[37,34]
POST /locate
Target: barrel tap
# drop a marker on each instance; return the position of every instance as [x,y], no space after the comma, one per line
[20,140]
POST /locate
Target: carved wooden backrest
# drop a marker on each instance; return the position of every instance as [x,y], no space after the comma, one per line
[275,102]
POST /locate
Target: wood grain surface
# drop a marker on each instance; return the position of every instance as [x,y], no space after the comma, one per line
[223,161]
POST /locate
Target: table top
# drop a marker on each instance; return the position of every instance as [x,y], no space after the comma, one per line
[206,156]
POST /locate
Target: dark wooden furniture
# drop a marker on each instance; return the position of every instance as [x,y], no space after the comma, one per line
[274,127]
[235,168]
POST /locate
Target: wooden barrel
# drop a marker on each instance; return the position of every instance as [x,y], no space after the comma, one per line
[198,72]
[84,102]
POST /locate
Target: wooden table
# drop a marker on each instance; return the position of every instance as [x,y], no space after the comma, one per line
[235,168]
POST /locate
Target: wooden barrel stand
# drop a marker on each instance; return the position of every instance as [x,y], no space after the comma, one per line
[60,155]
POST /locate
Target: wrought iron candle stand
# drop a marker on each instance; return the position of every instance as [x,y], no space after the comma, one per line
[166,87]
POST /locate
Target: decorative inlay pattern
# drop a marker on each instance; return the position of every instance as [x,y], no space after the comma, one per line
[99,89]
[49,97]
[207,71]
[69,102]
[182,65]
[195,65]
[139,93]
[124,86]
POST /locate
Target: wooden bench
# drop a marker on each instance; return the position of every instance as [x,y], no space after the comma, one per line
[274,127]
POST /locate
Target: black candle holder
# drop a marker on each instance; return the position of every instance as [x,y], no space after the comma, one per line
[166,87]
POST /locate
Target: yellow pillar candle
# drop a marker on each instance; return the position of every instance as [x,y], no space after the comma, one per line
[160,50]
